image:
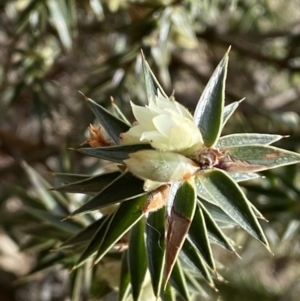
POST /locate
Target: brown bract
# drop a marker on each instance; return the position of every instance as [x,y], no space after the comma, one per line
[96,137]
[157,199]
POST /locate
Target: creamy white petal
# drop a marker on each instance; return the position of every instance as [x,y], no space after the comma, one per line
[133,135]
[143,116]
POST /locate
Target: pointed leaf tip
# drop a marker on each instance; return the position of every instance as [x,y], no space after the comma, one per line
[142,54]
[228,50]
[84,97]
[209,111]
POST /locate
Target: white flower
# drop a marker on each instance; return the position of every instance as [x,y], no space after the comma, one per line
[166,125]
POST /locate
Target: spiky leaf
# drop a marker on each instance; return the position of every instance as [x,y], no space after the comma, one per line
[215,234]
[229,110]
[117,153]
[197,261]
[233,201]
[125,217]
[178,281]
[209,111]
[90,185]
[199,237]
[125,187]
[136,258]
[124,286]
[152,84]
[247,139]
[155,241]
[179,222]
[113,125]
[261,157]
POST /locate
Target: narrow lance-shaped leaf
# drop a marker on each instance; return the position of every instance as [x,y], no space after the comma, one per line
[113,125]
[54,220]
[229,110]
[77,284]
[242,176]
[259,157]
[116,153]
[126,186]
[168,294]
[152,84]
[125,217]
[85,235]
[217,213]
[232,201]
[90,185]
[247,139]
[199,237]
[209,111]
[137,258]
[155,242]
[194,286]
[178,281]
[179,222]
[124,286]
[95,242]
[69,177]
[215,234]
[51,200]
[197,261]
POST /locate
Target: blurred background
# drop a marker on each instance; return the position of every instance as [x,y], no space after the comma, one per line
[51,49]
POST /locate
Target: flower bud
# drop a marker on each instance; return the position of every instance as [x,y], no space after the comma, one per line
[159,166]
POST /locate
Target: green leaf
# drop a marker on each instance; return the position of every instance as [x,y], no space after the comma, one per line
[229,110]
[52,201]
[193,285]
[179,222]
[177,280]
[78,284]
[137,258]
[194,259]
[125,217]
[232,200]
[117,153]
[217,213]
[124,286]
[90,185]
[84,235]
[240,177]
[125,187]
[47,232]
[113,125]
[260,157]
[58,11]
[155,242]
[247,139]
[152,84]
[215,234]
[25,14]
[168,294]
[199,237]
[95,242]
[209,111]
[69,177]
[54,220]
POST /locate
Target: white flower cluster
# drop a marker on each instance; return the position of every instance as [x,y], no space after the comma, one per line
[166,125]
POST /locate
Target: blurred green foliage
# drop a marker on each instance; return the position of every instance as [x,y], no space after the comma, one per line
[50,49]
